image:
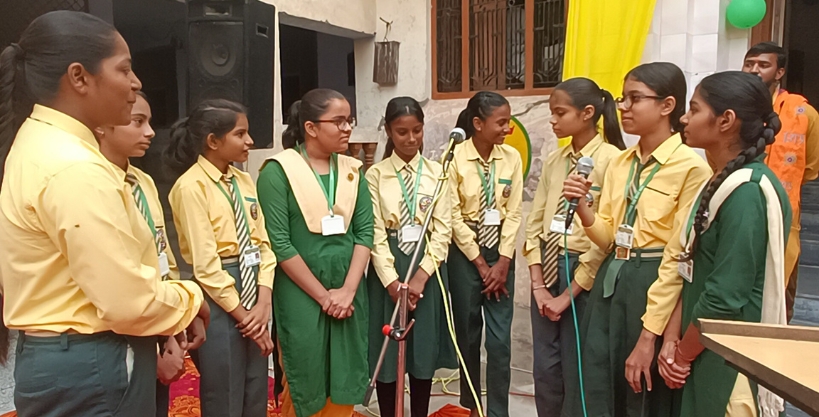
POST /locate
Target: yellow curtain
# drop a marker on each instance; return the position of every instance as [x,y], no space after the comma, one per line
[605,39]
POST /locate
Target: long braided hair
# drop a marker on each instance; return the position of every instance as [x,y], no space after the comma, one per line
[748,97]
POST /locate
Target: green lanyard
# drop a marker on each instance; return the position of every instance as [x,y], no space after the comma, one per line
[489,190]
[631,210]
[330,194]
[411,199]
[230,200]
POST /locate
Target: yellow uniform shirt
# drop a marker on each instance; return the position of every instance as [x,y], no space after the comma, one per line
[550,190]
[157,215]
[75,253]
[387,198]
[675,185]
[207,230]
[465,188]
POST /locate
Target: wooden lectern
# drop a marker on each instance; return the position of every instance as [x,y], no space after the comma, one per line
[783,359]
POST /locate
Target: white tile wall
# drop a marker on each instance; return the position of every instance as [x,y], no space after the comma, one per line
[674,17]
[693,35]
[703,52]
[704,16]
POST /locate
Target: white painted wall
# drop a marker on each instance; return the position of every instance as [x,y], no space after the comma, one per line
[350,15]
[694,35]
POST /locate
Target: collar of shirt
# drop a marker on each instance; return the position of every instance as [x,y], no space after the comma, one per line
[212,171]
[64,122]
[472,152]
[663,152]
[120,173]
[399,163]
[587,150]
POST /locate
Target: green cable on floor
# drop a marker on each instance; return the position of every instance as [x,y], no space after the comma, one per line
[576,326]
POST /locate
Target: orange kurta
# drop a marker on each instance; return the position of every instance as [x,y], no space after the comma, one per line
[794,158]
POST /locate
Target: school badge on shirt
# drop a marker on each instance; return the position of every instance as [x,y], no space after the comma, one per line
[254,211]
[424,203]
[507,191]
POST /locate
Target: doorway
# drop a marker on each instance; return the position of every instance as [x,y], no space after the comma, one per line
[311,59]
[800,36]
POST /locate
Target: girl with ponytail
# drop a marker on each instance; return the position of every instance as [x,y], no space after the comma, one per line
[644,189]
[576,105]
[79,266]
[734,237]
[320,220]
[222,235]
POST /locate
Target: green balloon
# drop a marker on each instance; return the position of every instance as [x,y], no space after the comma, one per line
[746,14]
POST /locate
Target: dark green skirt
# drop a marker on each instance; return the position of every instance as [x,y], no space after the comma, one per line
[429,346]
[609,331]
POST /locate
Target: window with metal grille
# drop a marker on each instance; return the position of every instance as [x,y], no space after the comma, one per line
[17,14]
[512,46]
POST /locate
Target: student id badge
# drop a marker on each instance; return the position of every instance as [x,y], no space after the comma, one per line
[624,237]
[411,233]
[491,218]
[332,225]
[686,270]
[559,225]
[252,256]
[164,265]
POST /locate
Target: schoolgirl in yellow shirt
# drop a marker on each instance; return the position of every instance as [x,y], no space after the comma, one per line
[222,234]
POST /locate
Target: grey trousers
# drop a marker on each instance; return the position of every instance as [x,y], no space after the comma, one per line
[85,376]
[555,347]
[233,372]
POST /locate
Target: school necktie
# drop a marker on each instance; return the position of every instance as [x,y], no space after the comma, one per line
[406,220]
[246,273]
[635,185]
[488,236]
[550,250]
[139,200]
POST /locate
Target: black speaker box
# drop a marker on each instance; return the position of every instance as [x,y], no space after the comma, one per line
[230,56]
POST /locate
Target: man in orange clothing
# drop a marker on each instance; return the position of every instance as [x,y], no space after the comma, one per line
[794,156]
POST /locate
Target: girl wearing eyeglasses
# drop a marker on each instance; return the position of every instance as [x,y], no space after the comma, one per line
[643,190]
[319,217]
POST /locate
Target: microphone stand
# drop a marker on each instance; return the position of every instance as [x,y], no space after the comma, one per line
[399,331]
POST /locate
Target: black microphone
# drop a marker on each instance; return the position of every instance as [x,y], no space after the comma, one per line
[585,165]
[456,136]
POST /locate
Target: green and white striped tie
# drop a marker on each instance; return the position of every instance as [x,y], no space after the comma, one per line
[551,249]
[488,236]
[139,199]
[248,276]
[406,220]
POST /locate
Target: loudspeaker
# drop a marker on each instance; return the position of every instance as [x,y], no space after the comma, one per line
[230,56]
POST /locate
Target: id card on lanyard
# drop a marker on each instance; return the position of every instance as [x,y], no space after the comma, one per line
[491,215]
[411,233]
[164,264]
[332,224]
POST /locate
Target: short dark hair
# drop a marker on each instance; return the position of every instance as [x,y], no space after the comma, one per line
[769,48]
[399,107]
